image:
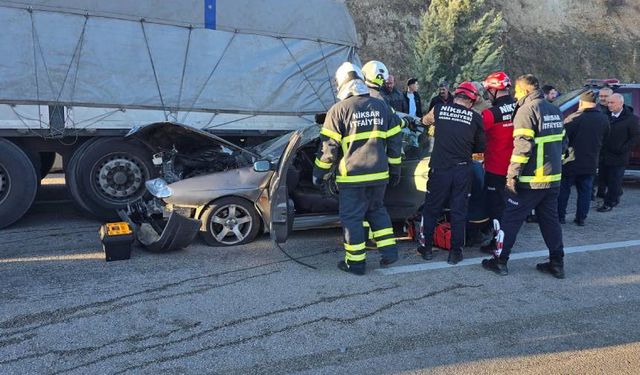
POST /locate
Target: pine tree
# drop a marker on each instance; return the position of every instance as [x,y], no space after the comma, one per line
[459,40]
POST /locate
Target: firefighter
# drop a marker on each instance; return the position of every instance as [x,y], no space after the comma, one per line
[376,74]
[498,127]
[362,137]
[534,174]
[458,134]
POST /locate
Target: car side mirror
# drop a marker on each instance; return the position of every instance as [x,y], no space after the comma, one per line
[262,166]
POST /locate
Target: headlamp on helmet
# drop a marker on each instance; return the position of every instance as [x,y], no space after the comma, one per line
[375,72]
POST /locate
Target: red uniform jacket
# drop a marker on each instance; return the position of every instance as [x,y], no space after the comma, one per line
[498,128]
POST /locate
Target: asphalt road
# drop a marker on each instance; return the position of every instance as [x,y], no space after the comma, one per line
[250,310]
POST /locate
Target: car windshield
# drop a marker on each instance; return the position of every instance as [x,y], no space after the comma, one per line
[273,149]
[565,98]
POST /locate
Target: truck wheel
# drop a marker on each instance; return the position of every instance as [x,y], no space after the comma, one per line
[70,181]
[230,221]
[108,173]
[18,183]
[46,163]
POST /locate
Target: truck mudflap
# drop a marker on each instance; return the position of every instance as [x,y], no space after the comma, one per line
[178,233]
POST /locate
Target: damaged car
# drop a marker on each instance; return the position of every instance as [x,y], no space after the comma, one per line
[230,194]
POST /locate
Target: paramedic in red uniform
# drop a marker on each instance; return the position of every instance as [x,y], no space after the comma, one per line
[498,128]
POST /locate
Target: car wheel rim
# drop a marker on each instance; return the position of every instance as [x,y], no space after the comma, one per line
[119,178]
[4,184]
[231,224]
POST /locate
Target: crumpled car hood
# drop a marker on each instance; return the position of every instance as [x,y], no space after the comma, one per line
[165,135]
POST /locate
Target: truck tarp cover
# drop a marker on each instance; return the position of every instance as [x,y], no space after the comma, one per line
[226,56]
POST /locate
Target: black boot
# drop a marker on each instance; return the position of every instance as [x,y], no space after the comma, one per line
[455,256]
[490,248]
[554,268]
[386,262]
[356,270]
[425,252]
[495,265]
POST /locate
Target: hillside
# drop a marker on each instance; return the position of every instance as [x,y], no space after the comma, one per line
[561,41]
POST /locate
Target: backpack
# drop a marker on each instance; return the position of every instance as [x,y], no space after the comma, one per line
[442,235]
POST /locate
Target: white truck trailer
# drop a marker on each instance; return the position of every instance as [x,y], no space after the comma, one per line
[77,75]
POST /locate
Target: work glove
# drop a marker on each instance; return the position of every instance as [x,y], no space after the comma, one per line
[319,177]
[511,186]
[394,180]
[316,181]
[416,123]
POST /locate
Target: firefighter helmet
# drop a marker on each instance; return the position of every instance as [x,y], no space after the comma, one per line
[375,72]
[347,72]
[497,81]
[468,89]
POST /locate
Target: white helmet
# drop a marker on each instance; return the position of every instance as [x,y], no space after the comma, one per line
[375,72]
[348,72]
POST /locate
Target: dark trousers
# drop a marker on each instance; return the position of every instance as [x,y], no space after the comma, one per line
[601,179]
[358,204]
[583,184]
[452,186]
[495,196]
[545,202]
[613,176]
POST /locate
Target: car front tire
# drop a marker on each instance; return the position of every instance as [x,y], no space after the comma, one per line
[230,221]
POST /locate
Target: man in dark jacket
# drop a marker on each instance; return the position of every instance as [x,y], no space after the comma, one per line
[624,134]
[533,176]
[586,129]
[392,95]
[412,101]
[443,97]
[603,106]
[458,134]
[603,99]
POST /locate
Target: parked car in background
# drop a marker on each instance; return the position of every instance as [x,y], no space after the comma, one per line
[568,104]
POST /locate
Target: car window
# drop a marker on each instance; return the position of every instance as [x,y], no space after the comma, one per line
[273,149]
[565,99]
[628,98]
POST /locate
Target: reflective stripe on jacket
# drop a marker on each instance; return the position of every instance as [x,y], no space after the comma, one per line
[363,137]
[538,143]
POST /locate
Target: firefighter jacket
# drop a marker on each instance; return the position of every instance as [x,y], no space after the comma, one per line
[538,143]
[498,128]
[363,137]
[458,134]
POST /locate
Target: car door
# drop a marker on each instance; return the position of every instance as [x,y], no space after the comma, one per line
[282,210]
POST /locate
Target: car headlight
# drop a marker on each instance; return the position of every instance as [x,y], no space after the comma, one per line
[158,188]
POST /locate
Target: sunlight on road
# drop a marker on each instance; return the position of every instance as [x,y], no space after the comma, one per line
[68,257]
[617,359]
[616,280]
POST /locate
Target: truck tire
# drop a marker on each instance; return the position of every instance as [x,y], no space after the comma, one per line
[69,166]
[18,183]
[106,174]
[46,163]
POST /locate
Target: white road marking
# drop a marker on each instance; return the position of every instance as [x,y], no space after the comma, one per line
[515,256]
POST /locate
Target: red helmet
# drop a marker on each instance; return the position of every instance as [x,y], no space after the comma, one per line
[468,89]
[497,81]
